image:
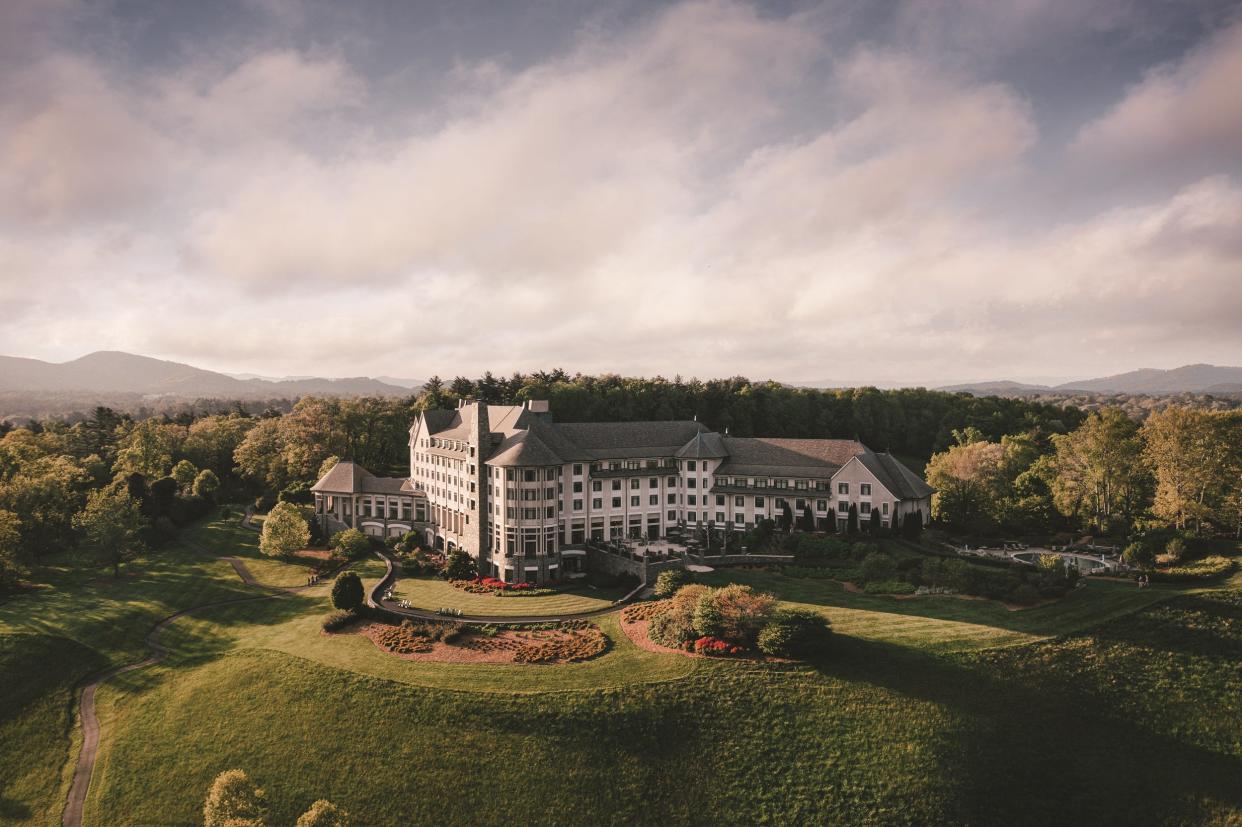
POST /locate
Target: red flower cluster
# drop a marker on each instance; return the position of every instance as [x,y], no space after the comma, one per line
[497,583]
[716,646]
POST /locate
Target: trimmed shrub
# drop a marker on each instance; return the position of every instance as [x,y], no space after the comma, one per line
[675,625]
[351,543]
[460,566]
[794,632]
[337,620]
[347,591]
[670,581]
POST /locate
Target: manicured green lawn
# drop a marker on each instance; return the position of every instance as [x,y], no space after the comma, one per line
[433,593]
[112,615]
[1137,723]
[226,536]
[1108,707]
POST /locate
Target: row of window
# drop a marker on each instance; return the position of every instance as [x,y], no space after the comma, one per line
[448,444]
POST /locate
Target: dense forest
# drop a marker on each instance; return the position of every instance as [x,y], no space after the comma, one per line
[1136,405]
[912,422]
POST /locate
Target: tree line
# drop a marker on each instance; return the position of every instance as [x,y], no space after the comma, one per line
[1181,469]
[118,482]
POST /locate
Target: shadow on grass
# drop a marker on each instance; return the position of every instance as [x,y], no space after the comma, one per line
[206,633]
[13,809]
[1095,603]
[1024,753]
[1206,624]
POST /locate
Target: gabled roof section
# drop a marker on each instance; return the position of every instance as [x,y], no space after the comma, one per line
[900,481]
[460,423]
[540,443]
[438,420]
[348,477]
[387,485]
[620,440]
[704,445]
[523,448]
[774,457]
[345,477]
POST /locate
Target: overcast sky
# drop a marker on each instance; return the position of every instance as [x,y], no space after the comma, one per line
[858,191]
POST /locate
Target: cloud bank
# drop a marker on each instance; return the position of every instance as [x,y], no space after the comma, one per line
[706,188]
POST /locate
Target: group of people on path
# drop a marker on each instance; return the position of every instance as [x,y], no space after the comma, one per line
[312,580]
[1144,580]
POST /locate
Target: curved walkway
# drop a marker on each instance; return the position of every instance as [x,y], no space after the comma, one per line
[89,753]
[375,600]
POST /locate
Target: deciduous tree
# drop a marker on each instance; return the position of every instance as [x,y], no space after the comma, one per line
[234,801]
[1188,461]
[184,473]
[284,531]
[147,449]
[1100,474]
[206,484]
[969,481]
[10,544]
[112,522]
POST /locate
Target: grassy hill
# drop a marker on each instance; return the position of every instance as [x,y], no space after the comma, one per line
[1114,706]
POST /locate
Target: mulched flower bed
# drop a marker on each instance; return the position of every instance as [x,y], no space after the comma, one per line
[498,587]
[568,641]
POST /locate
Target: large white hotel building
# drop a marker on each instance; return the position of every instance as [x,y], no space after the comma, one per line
[522,493]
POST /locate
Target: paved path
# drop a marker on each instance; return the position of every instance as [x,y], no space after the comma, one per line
[85,767]
[246,520]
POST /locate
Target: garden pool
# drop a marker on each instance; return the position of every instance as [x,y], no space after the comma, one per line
[1085,563]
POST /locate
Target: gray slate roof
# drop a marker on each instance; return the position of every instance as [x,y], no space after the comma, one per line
[347,477]
[622,440]
[704,445]
[343,478]
[774,457]
[522,437]
[895,476]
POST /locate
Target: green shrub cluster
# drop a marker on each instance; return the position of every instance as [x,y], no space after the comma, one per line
[338,620]
[734,613]
[349,544]
[670,581]
[794,633]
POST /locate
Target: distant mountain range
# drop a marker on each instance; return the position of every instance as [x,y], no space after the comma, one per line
[1210,379]
[116,372]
